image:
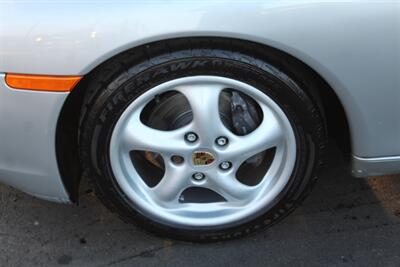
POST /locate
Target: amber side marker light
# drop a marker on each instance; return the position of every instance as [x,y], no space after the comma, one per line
[42,82]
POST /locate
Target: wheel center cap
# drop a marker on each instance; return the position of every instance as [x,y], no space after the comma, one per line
[202,158]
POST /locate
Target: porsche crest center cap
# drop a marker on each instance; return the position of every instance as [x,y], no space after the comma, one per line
[202,158]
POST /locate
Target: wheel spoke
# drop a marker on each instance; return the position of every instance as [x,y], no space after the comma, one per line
[138,136]
[267,135]
[230,188]
[204,101]
[176,179]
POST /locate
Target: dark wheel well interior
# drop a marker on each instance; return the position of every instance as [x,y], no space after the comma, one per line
[68,123]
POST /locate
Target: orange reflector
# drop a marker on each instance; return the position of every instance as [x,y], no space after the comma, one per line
[42,82]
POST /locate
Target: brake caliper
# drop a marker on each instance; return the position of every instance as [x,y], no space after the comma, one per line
[245,119]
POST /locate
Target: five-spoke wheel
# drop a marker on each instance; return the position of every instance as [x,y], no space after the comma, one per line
[211,155]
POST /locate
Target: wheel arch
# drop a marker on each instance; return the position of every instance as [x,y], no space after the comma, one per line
[67,134]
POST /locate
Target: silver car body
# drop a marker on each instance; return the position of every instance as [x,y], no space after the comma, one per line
[353,45]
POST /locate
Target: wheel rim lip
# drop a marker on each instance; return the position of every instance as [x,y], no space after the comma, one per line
[122,168]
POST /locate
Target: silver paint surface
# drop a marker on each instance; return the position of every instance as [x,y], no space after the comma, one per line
[363,167]
[27,141]
[353,45]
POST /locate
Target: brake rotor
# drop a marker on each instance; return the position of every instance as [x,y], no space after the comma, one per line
[171,111]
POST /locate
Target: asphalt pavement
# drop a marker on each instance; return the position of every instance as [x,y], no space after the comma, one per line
[345,222]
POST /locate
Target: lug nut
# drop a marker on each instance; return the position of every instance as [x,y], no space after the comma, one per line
[225,165]
[191,137]
[177,159]
[221,141]
[198,176]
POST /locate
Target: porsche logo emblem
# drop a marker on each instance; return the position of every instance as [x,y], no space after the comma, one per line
[202,158]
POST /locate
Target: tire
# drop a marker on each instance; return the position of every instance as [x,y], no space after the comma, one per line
[116,85]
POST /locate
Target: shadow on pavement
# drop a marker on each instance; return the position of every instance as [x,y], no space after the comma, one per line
[345,222]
